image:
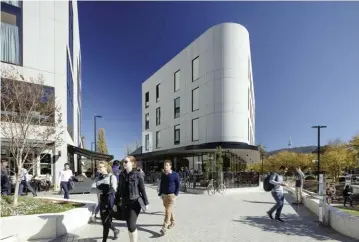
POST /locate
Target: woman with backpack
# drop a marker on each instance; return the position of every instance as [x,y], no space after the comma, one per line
[106,184]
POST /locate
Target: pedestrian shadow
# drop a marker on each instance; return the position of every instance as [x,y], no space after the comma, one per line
[74,238]
[154,213]
[304,224]
[247,201]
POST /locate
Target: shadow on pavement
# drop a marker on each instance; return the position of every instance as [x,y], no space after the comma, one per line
[304,223]
[259,202]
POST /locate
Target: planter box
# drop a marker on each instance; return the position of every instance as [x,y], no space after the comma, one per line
[44,226]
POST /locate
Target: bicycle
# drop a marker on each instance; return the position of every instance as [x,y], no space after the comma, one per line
[183,184]
[214,187]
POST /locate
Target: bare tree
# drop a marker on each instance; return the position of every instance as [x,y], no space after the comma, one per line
[31,119]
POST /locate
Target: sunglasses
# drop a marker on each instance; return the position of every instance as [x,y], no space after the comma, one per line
[125,161]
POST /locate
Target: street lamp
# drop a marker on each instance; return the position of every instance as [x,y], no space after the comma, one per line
[318,127]
[95,129]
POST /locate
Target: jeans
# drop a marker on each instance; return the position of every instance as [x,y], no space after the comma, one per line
[26,184]
[279,199]
[106,216]
[65,187]
[299,194]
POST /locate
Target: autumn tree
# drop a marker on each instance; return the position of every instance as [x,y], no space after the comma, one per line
[354,145]
[31,120]
[101,142]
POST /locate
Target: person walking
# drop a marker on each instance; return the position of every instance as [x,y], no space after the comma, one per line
[276,180]
[347,194]
[299,181]
[131,196]
[97,208]
[24,182]
[106,184]
[168,190]
[116,169]
[64,178]
[5,179]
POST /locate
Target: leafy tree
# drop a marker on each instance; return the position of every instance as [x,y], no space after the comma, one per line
[354,145]
[31,120]
[101,142]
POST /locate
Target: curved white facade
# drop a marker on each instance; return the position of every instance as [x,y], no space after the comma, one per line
[225,107]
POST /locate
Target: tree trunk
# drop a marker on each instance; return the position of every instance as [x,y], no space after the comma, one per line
[16,192]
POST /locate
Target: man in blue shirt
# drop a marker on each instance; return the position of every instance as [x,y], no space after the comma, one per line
[168,189]
[277,192]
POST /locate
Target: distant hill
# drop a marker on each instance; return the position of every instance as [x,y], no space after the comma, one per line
[303,149]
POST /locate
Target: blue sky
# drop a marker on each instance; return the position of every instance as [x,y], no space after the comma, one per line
[305,58]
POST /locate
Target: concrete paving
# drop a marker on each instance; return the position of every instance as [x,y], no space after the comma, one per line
[232,217]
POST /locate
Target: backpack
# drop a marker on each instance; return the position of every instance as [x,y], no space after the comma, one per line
[267,186]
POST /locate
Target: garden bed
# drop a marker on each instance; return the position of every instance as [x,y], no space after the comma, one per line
[30,205]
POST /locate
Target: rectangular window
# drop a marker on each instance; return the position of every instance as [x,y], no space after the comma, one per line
[195,134]
[177,137]
[147,121]
[147,99]
[195,69]
[11,32]
[147,142]
[158,116]
[158,93]
[177,109]
[195,99]
[158,136]
[177,81]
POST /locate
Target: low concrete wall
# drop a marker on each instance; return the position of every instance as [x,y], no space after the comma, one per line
[44,226]
[340,221]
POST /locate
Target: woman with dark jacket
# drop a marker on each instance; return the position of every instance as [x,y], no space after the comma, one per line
[131,195]
[106,184]
[347,194]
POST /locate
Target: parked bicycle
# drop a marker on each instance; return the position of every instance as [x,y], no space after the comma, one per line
[184,184]
[214,187]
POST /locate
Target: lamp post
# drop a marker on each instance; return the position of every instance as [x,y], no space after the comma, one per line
[318,127]
[95,129]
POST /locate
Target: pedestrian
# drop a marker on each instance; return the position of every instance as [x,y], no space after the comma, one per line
[276,179]
[24,182]
[168,190]
[116,170]
[5,179]
[106,184]
[299,181]
[64,179]
[97,208]
[347,194]
[132,195]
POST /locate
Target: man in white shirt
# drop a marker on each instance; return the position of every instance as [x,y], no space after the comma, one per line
[64,179]
[24,182]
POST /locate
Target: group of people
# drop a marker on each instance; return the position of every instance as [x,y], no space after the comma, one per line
[124,189]
[277,181]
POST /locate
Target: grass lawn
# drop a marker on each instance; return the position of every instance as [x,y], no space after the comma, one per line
[30,205]
[350,211]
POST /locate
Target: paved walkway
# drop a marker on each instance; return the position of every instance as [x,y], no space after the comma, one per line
[237,217]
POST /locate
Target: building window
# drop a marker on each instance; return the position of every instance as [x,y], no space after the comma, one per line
[158,136]
[177,137]
[11,32]
[195,134]
[195,69]
[71,31]
[158,93]
[158,116]
[147,142]
[147,99]
[45,164]
[177,81]
[147,121]
[70,99]
[195,99]
[177,108]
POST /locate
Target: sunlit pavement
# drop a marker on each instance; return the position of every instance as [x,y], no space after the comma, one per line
[237,217]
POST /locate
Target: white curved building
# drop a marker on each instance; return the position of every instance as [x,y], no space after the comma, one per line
[203,98]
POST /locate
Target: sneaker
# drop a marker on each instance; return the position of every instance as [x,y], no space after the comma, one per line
[270,215]
[163,231]
[171,226]
[115,233]
[93,218]
[280,220]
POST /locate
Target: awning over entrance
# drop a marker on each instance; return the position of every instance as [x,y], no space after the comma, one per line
[88,153]
[249,153]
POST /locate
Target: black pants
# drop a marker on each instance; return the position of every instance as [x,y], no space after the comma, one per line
[132,211]
[346,198]
[106,216]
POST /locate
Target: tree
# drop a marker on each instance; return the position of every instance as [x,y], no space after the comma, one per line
[31,120]
[101,142]
[354,145]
